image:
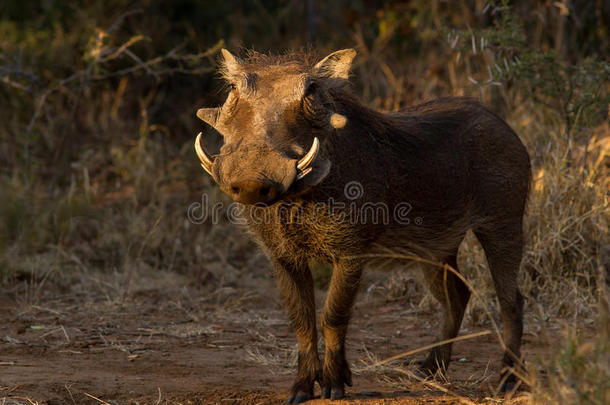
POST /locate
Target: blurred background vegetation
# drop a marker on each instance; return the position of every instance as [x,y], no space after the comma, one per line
[97,102]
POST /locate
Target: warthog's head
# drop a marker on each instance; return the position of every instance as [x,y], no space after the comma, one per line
[274,124]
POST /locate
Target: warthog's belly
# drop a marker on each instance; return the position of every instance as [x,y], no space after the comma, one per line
[315,230]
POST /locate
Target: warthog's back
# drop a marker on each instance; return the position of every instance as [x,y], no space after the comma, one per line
[465,152]
[459,167]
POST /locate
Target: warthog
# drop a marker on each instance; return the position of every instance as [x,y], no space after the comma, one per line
[295,136]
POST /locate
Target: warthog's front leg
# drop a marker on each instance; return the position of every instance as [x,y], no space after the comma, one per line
[296,286]
[335,318]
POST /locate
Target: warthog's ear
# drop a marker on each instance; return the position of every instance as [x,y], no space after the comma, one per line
[337,64]
[232,64]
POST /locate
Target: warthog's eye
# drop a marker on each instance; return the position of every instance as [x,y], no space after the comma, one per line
[310,103]
[232,86]
[311,88]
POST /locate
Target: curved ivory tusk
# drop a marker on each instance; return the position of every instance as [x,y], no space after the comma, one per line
[304,173]
[206,162]
[306,160]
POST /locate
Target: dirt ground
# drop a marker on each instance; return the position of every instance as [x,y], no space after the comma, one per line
[159,338]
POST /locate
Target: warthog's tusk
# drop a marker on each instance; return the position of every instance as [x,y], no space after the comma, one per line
[304,173]
[306,161]
[206,162]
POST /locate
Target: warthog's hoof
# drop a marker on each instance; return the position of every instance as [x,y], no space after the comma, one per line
[333,393]
[302,389]
[333,386]
[509,384]
[299,397]
[427,369]
[507,387]
[423,374]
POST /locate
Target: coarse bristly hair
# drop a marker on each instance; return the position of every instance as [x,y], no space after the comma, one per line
[301,60]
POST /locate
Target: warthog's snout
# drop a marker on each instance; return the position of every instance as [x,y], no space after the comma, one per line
[254,192]
[258,182]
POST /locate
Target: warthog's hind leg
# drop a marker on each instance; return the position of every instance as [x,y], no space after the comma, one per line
[453,295]
[503,247]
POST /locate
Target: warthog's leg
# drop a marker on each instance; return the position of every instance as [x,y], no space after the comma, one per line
[296,286]
[335,318]
[453,295]
[503,247]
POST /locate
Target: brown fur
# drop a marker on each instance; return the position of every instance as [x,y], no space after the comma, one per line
[458,165]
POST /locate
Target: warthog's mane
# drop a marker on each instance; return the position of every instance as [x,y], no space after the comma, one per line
[301,61]
[304,59]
